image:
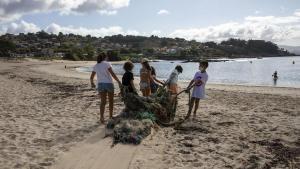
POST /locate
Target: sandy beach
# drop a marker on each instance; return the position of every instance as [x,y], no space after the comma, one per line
[49,118]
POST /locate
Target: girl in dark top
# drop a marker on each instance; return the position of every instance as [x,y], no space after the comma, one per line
[127,79]
[153,84]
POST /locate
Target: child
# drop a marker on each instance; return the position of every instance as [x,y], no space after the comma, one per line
[173,79]
[145,77]
[153,84]
[127,79]
[198,82]
[105,73]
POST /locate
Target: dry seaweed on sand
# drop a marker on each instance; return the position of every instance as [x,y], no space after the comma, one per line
[282,154]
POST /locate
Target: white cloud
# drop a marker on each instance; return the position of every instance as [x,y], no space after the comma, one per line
[25,27]
[14,9]
[98,32]
[105,12]
[163,12]
[156,32]
[276,29]
[22,27]
[297,12]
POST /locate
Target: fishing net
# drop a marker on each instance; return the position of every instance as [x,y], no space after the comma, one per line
[140,114]
[132,131]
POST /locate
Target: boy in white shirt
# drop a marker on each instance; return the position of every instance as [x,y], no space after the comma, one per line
[199,83]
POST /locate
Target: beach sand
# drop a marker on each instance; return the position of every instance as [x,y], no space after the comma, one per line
[49,118]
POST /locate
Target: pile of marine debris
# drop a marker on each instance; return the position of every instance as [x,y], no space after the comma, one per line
[140,115]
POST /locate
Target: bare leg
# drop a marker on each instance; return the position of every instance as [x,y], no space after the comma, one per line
[192,104]
[111,103]
[196,106]
[103,96]
[144,92]
[148,91]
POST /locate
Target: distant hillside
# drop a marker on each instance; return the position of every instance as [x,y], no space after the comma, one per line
[120,47]
[291,49]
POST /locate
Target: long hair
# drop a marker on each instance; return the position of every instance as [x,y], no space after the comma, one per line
[101,57]
[153,72]
[147,66]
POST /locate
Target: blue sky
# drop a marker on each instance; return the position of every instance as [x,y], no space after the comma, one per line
[202,20]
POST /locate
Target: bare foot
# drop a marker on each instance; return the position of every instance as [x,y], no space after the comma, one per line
[102,121]
[194,116]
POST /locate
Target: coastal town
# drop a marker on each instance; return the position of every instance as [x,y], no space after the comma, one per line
[119,47]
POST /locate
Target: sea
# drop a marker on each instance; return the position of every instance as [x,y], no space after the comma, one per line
[243,71]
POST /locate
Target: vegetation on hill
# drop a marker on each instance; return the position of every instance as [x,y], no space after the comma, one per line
[119,47]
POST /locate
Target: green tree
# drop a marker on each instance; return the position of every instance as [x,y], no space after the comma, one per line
[163,43]
[113,55]
[89,50]
[6,47]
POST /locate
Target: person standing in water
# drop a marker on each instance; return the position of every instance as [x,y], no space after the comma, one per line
[104,72]
[275,76]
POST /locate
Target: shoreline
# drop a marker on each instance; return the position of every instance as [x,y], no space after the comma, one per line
[59,70]
[185,81]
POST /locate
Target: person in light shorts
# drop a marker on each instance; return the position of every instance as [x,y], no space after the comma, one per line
[104,72]
[198,83]
[145,77]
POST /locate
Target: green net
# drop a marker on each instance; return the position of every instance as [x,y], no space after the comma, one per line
[139,116]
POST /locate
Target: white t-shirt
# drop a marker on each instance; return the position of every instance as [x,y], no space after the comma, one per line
[173,78]
[199,89]
[103,75]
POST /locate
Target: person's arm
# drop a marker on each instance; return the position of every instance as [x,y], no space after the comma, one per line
[132,84]
[92,79]
[158,81]
[191,84]
[150,76]
[114,76]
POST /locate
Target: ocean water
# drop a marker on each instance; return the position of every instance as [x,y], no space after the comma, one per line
[236,71]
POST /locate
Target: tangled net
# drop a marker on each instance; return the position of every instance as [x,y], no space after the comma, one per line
[140,115]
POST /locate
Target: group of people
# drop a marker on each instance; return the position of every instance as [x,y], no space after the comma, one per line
[148,82]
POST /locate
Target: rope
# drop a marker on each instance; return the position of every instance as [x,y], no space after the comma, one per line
[179,122]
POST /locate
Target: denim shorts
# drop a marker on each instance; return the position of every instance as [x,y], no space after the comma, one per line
[144,85]
[106,87]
